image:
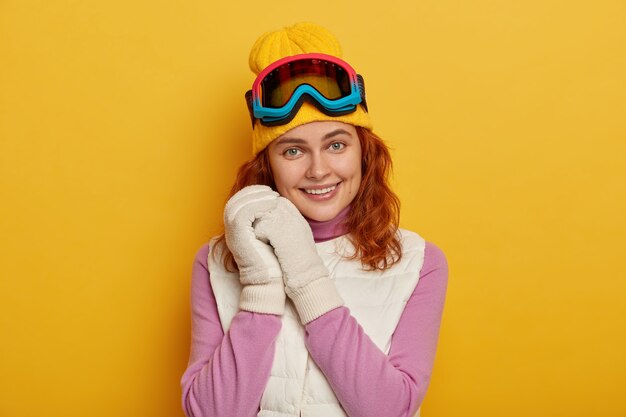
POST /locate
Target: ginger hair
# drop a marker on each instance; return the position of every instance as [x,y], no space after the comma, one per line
[372,222]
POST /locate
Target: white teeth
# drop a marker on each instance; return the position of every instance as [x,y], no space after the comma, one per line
[322,191]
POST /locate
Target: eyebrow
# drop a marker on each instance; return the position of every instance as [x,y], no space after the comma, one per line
[300,141]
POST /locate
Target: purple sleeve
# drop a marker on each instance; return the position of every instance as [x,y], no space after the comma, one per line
[365,380]
[227,373]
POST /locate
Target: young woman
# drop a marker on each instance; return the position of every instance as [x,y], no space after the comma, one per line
[313,302]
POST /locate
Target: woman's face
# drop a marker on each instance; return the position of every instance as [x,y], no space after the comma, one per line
[317,166]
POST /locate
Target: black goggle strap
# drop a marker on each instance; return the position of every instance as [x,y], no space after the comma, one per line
[361,83]
[249,103]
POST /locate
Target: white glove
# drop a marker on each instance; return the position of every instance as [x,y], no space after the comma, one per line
[259,270]
[307,280]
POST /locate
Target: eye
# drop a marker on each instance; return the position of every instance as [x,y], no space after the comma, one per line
[291,152]
[337,146]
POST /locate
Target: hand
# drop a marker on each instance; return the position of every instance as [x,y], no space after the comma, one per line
[307,281]
[259,270]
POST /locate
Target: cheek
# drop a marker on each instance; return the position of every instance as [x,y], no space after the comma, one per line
[356,169]
[356,184]
[283,178]
[352,170]
[277,172]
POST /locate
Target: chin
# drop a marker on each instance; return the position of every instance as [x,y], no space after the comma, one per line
[320,215]
[320,218]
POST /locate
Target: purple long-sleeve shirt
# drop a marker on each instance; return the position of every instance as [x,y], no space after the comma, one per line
[227,372]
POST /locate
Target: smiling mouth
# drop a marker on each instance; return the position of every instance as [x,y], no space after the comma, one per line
[320,191]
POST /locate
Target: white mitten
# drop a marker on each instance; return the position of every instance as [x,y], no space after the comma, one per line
[307,280]
[259,271]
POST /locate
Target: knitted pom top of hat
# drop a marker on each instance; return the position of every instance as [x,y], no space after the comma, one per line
[301,38]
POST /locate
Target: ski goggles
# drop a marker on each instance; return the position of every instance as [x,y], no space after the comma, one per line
[325,81]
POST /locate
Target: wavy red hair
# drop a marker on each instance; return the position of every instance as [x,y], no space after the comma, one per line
[374,216]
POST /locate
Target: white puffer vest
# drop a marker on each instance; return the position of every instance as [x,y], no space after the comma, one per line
[297,387]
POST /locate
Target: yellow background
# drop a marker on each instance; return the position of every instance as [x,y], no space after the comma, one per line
[122,124]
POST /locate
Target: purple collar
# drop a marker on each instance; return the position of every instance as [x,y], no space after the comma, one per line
[330,229]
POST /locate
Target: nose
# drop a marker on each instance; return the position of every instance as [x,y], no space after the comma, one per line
[318,167]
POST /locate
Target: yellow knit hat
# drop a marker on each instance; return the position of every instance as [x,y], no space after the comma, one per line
[301,38]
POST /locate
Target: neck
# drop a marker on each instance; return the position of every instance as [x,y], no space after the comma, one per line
[330,229]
